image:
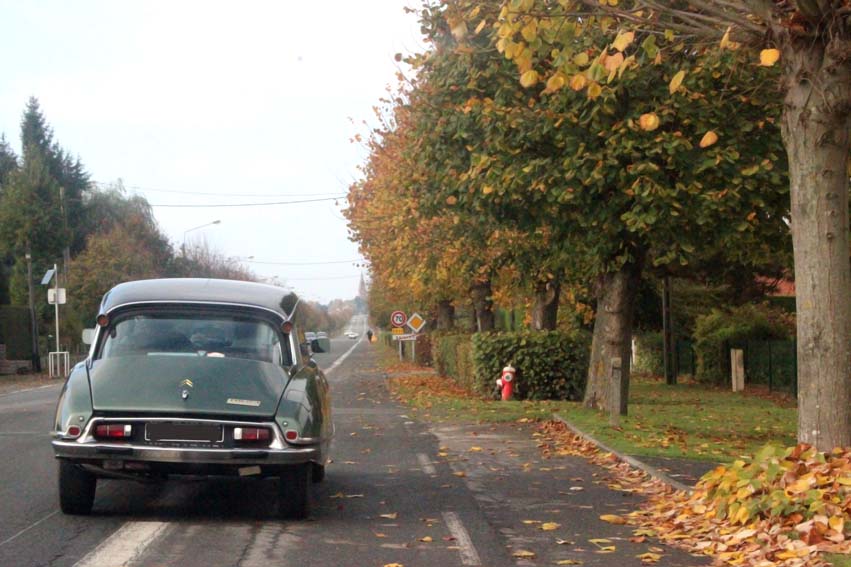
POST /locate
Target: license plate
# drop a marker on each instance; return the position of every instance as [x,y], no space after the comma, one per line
[196,432]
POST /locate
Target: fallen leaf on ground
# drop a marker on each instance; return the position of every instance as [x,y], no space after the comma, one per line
[523,554]
[550,526]
[389,516]
[426,539]
[613,519]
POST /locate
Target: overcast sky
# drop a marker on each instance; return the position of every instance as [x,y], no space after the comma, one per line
[252,98]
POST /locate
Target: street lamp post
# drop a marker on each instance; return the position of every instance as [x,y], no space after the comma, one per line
[185,232]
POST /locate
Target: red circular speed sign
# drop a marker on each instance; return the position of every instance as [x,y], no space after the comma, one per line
[398,318]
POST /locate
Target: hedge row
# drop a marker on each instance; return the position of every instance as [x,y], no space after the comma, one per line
[15,332]
[550,365]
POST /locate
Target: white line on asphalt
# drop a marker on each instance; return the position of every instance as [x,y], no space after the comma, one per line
[15,392]
[469,555]
[28,528]
[123,546]
[343,357]
[425,463]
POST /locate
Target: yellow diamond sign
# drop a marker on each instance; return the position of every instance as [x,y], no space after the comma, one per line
[416,322]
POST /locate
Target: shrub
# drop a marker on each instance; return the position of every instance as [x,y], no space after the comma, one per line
[550,364]
[718,331]
[423,352]
[451,357]
[649,357]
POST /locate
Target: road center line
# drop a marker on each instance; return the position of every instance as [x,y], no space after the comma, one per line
[343,357]
[425,463]
[469,555]
[123,546]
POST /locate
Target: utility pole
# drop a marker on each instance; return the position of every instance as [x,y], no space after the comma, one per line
[36,358]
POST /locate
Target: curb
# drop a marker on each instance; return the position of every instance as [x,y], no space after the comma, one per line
[632,461]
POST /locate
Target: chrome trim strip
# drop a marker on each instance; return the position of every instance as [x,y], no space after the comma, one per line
[199,302]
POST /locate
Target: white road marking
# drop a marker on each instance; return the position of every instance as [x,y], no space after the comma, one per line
[123,546]
[343,357]
[469,555]
[15,392]
[28,528]
[425,463]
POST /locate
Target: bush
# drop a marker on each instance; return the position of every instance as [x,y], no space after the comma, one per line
[15,332]
[550,364]
[649,356]
[719,331]
[423,352]
[451,357]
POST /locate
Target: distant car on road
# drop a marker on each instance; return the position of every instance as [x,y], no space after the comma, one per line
[194,377]
[351,334]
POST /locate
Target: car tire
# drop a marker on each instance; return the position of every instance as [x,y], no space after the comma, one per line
[76,489]
[294,491]
[318,473]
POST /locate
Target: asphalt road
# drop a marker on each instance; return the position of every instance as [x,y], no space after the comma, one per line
[386,499]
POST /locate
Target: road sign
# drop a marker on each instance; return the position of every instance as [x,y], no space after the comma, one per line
[398,331]
[416,322]
[398,319]
[53,293]
[408,337]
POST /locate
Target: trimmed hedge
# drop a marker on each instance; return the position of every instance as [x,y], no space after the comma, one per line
[15,332]
[719,331]
[451,355]
[551,365]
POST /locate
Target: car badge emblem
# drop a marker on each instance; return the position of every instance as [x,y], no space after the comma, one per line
[185,385]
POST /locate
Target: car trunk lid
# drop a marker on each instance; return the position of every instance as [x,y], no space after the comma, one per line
[186,384]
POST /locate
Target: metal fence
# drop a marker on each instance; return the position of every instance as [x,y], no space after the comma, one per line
[772,363]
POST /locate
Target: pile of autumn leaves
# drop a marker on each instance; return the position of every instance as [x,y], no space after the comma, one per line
[783,507]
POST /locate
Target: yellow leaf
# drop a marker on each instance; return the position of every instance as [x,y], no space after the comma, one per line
[768,57]
[475,449]
[649,121]
[594,91]
[481,26]
[487,189]
[529,78]
[451,200]
[550,526]
[725,41]
[393,565]
[708,139]
[389,516]
[837,523]
[676,81]
[528,522]
[581,59]
[460,474]
[523,554]
[623,40]
[613,62]
[612,519]
[569,562]
[578,82]
[426,539]
[555,82]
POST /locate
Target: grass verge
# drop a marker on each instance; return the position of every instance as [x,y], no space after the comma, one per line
[684,421]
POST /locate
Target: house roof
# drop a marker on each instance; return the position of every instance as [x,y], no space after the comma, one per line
[201,290]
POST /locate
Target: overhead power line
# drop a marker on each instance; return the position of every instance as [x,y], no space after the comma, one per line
[273,263]
[266,204]
[209,194]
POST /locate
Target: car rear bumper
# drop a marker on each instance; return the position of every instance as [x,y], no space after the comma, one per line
[93,452]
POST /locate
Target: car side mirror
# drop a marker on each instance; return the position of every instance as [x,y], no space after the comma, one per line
[88,336]
[316,345]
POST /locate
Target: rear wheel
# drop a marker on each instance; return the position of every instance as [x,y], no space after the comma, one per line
[294,491]
[318,472]
[76,489]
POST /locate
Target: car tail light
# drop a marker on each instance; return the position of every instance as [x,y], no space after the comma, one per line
[114,430]
[251,434]
[291,435]
[73,431]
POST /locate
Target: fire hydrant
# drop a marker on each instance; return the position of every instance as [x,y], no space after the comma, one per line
[506,382]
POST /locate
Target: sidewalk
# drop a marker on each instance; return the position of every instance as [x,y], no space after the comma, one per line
[548,510]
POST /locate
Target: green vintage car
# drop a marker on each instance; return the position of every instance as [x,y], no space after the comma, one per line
[195,377]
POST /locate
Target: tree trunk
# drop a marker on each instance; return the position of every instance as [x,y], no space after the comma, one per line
[612,336]
[445,315]
[545,308]
[815,128]
[483,305]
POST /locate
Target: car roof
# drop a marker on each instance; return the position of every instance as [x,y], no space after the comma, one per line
[201,290]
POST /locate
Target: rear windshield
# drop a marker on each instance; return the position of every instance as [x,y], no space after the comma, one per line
[218,335]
